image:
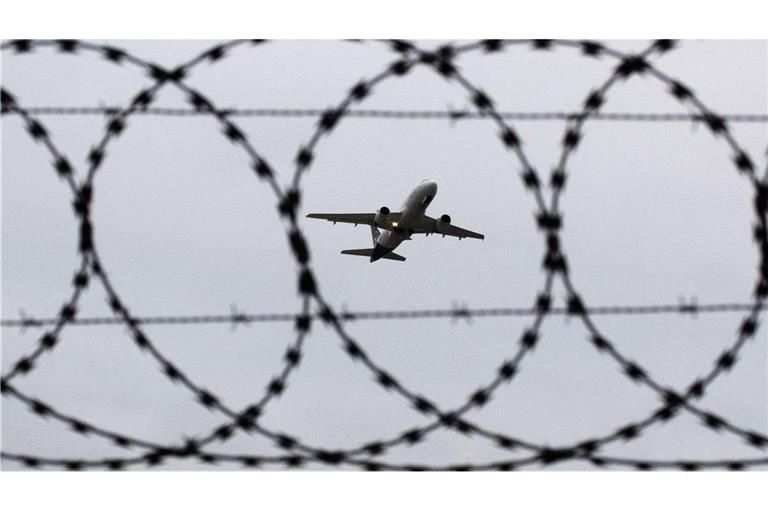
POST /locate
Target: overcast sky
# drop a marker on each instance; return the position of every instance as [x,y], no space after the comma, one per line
[653,212]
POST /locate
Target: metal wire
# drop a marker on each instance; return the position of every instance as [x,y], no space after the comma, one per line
[241,317]
[451,115]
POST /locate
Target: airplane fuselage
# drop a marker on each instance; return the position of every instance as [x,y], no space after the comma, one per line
[413,210]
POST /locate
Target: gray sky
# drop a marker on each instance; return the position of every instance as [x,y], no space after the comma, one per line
[652,212]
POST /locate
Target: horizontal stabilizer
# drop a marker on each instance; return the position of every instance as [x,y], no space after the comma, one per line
[369,252]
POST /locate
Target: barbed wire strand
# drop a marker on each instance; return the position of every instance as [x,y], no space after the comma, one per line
[241,317]
[451,115]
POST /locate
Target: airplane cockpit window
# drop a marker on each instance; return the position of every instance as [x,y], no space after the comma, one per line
[426,201]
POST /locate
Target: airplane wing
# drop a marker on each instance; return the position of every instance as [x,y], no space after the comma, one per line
[427,227]
[357,218]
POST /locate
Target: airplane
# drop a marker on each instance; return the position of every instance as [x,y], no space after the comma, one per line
[397,227]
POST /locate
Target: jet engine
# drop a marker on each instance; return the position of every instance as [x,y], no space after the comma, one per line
[442,222]
[381,217]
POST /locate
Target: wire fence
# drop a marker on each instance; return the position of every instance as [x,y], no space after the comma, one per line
[316,308]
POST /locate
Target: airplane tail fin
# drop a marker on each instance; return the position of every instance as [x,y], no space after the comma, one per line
[368,252]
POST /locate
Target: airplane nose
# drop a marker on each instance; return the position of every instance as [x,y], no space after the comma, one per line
[378,251]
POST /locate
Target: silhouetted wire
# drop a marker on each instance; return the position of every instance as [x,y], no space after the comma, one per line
[548,219]
[294,461]
[241,317]
[452,115]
